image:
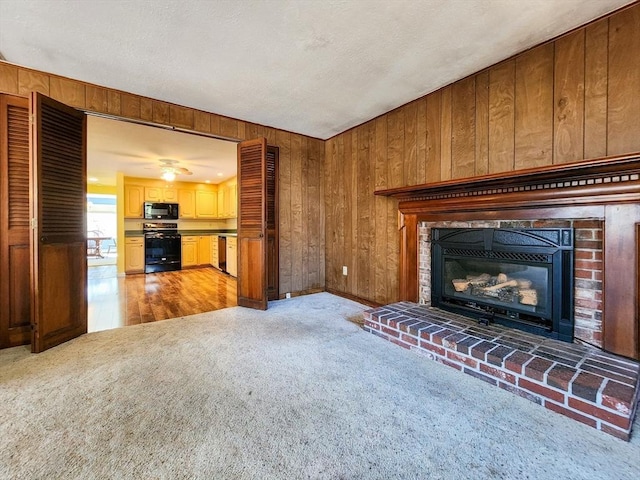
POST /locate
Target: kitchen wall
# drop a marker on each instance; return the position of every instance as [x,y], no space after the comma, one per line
[570,99]
[301,160]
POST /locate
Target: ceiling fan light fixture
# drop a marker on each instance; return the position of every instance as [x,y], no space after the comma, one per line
[169,176]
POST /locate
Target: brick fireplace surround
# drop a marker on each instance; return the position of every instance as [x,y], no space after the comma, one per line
[594,380]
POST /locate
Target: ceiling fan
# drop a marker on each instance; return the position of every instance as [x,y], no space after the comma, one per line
[170,169]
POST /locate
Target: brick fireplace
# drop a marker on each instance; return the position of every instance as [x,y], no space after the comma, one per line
[594,379]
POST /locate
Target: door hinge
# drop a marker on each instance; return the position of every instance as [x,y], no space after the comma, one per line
[34,223]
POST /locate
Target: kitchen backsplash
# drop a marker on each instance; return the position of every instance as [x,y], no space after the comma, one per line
[224,224]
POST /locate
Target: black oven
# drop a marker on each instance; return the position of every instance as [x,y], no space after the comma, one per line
[160,211]
[162,247]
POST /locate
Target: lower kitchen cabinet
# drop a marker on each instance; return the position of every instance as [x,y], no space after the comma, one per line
[232,256]
[134,255]
[214,251]
[204,250]
[189,251]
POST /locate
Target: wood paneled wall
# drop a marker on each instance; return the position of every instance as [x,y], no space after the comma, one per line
[575,98]
[302,246]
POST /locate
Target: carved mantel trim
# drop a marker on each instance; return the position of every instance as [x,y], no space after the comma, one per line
[606,188]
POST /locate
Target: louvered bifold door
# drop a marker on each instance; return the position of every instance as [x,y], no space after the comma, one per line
[15,316]
[58,206]
[252,210]
[273,245]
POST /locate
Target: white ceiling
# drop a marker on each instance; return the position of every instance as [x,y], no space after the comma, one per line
[315,67]
[136,150]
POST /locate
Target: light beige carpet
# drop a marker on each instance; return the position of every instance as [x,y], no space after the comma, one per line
[294,392]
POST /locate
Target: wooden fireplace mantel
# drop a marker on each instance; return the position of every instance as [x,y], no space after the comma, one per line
[605,188]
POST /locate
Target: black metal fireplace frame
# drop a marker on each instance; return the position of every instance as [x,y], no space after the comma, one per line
[549,247]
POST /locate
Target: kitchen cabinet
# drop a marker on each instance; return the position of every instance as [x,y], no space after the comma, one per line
[232,256]
[161,194]
[233,201]
[187,202]
[134,255]
[204,250]
[133,200]
[220,213]
[206,201]
[214,251]
[189,251]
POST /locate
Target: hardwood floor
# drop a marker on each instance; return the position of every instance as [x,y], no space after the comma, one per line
[121,301]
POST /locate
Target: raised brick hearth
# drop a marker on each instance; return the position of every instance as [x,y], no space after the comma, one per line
[581,382]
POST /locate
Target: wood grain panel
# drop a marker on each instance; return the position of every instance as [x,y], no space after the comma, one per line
[421,140]
[181,116]
[303,183]
[215,127]
[96,99]
[395,147]
[283,141]
[130,105]
[350,207]
[624,82]
[319,163]
[482,124]
[445,135]
[569,98]
[434,137]
[595,89]
[380,207]
[314,204]
[67,91]
[534,108]
[228,127]
[296,211]
[9,79]
[365,234]
[502,117]
[113,102]
[146,108]
[202,123]
[161,112]
[410,112]
[32,81]
[463,128]
[339,206]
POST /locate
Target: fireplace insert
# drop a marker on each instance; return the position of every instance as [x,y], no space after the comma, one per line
[522,278]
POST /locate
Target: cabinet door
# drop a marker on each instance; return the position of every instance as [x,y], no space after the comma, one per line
[134,255]
[133,200]
[206,204]
[187,202]
[152,194]
[232,256]
[220,202]
[214,251]
[204,250]
[233,201]
[170,195]
[189,251]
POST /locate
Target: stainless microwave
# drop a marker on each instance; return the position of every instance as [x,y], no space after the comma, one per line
[160,211]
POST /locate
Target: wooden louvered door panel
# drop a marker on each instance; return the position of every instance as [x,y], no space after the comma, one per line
[15,315]
[273,262]
[252,212]
[58,203]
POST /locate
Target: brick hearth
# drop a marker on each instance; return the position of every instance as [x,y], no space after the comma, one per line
[581,382]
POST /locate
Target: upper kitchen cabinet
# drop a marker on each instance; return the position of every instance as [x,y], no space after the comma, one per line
[187,202]
[161,194]
[133,200]
[206,204]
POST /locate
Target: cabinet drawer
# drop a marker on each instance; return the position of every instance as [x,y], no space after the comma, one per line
[134,240]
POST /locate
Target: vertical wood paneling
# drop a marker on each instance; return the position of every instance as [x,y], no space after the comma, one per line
[130,105]
[380,205]
[569,98]
[364,192]
[502,117]
[228,127]
[313,200]
[434,138]
[181,116]
[463,128]
[482,123]
[30,80]
[410,142]
[421,140]
[284,200]
[202,123]
[595,89]
[67,91]
[161,112]
[624,82]
[395,147]
[96,98]
[298,271]
[445,134]
[534,108]
[8,78]
[113,102]
[146,109]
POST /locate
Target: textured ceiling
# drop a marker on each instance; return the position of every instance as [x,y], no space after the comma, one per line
[315,67]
